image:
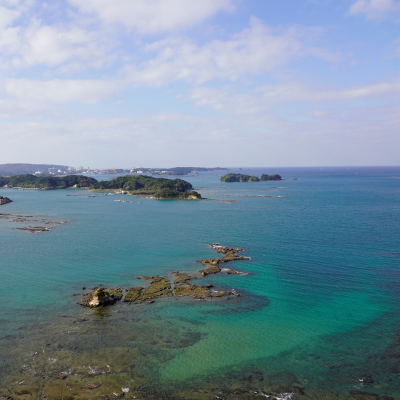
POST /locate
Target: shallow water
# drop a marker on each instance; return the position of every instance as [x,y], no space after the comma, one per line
[319,308]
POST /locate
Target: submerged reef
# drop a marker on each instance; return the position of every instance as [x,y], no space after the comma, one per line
[42,224]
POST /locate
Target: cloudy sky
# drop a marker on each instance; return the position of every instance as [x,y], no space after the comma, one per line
[163,83]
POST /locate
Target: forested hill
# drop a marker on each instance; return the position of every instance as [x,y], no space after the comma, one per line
[143,184]
[48,182]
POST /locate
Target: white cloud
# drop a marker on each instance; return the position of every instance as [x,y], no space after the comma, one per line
[60,91]
[7,16]
[266,98]
[69,47]
[375,9]
[252,51]
[154,16]
[66,47]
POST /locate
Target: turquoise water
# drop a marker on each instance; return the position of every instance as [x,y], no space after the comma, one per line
[321,300]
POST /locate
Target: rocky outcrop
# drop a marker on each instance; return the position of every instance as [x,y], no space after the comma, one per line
[4,200]
[34,229]
[161,286]
[197,292]
[212,264]
[101,297]
[133,294]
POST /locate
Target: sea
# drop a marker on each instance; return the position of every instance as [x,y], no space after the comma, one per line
[318,311]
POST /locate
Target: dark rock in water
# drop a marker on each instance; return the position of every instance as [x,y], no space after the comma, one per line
[364,379]
[4,200]
[34,229]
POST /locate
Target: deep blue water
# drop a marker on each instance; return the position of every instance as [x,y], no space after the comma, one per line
[324,278]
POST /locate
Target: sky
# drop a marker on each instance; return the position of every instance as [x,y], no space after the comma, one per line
[164,83]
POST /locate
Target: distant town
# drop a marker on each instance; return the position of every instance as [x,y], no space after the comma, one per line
[58,170]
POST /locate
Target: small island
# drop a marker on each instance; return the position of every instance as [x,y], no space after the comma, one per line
[248,178]
[4,200]
[160,188]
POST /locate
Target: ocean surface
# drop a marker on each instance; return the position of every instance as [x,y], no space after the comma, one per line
[319,305]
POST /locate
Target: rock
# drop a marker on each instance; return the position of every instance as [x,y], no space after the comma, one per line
[4,200]
[225,250]
[101,297]
[133,294]
[212,261]
[159,286]
[34,229]
[182,278]
[210,269]
[197,292]
[231,271]
[231,256]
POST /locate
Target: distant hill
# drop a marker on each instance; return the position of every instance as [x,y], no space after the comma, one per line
[19,169]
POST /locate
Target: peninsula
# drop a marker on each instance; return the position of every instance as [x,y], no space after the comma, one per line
[248,178]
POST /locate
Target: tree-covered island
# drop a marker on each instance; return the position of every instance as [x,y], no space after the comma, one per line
[161,188]
[248,178]
[29,181]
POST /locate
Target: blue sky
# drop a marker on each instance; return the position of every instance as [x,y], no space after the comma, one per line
[164,83]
